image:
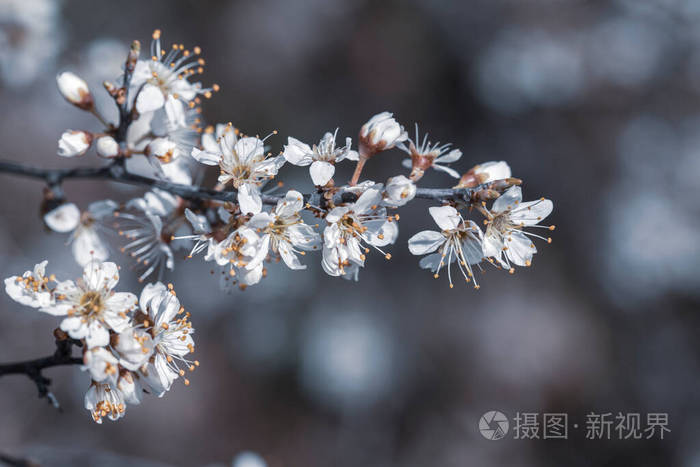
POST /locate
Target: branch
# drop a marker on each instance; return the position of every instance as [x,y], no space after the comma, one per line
[33,368]
[16,461]
[117,172]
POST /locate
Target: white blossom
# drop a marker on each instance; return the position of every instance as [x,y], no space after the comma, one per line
[166,74]
[504,239]
[458,241]
[243,162]
[150,224]
[90,305]
[321,157]
[105,400]
[399,191]
[172,337]
[64,218]
[87,242]
[74,143]
[211,135]
[381,132]
[201,232]
[167,136]
[235,253]
[284,232]
[107,147]
[134,347]
[127,348]
[74,89]
[129,384]
[32,289]
[163,149]
[351,228]
[102,365]
[426,154]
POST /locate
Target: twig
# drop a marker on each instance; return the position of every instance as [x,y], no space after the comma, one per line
[16,461]
[117,172]
[33,368]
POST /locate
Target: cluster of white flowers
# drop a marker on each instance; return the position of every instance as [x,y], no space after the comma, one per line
[240,236]
[160,103]
[131,345]
[135,345]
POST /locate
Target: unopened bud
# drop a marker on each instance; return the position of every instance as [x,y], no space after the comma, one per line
[107,147]
[110,87]
[484,173]
[379,133]
[75,90]
[163,149]
[74,143]
[502,185]
[486,195]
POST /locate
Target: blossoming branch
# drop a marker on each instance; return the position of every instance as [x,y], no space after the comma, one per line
[132,345]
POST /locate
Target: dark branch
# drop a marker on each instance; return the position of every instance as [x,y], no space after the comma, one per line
[33,368]
[16,461]
[117,172]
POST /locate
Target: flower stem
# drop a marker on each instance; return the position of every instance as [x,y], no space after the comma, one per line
[358,170]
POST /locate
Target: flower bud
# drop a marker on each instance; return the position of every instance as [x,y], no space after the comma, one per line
[379,133]
[75,90]
[163,149]
[64,218]
[107,147]
[74,143]
[399,191]
[484,173]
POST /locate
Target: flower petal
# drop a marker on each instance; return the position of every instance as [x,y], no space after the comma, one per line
[368,199]
[292,203]
[297,153]
[425,242]
[249,198]
[449,171]
[99,275]
[446,217]
[520,248]
[531,212]
[451,156]
[508,200]
[206,157]
[149,99]
[87,246]
[430,262]
[289,257]
[64,218]
[321,172]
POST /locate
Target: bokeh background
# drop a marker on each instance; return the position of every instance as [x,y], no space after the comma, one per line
[594,104]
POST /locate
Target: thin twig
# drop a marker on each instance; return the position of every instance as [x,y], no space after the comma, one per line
[117,172]
[33,368]
[16,461]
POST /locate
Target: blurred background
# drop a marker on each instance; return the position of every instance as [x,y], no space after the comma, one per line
[594,104]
